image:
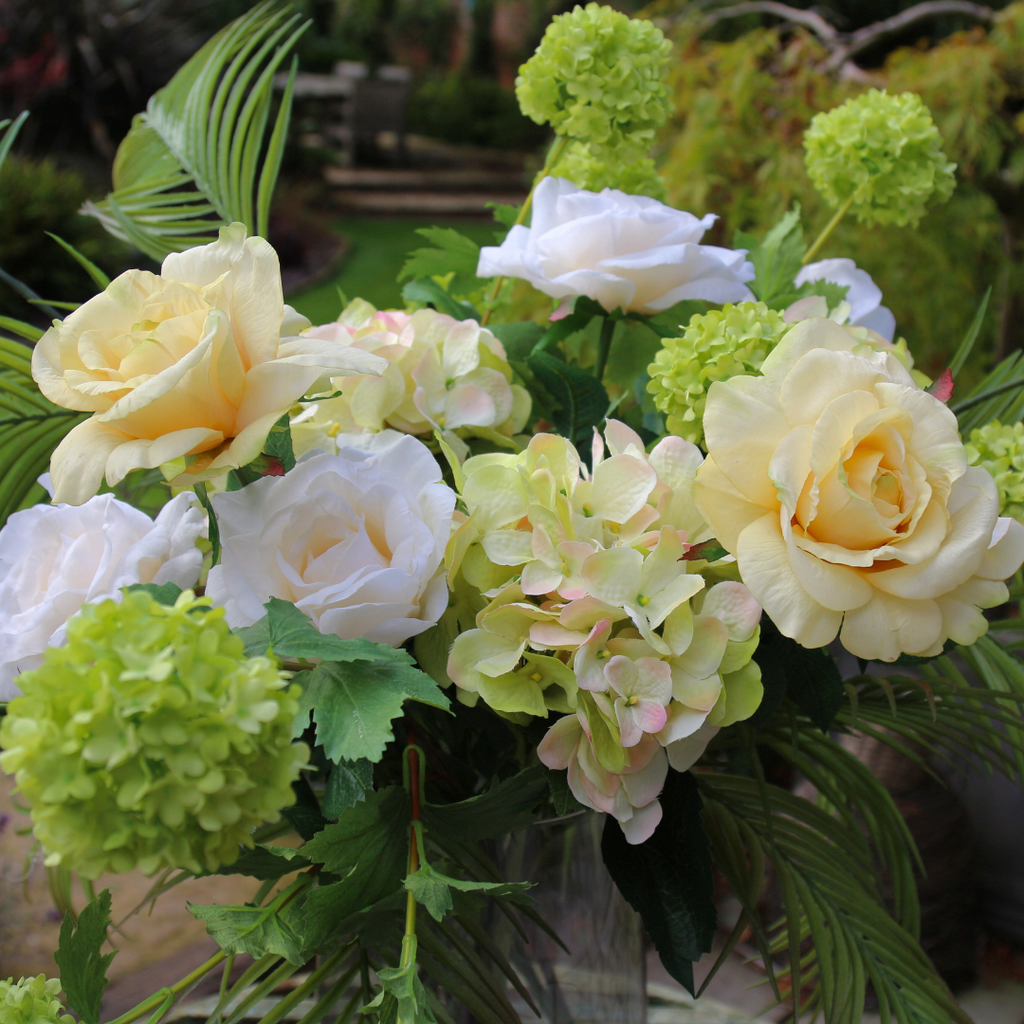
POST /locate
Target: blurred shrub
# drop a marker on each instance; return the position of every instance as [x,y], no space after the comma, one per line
[460,108]
[36,197]
[736,150]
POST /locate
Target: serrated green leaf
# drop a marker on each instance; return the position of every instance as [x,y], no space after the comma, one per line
[83,969]
[502,809]
[519,339]
[668,879]
[164,593]
[354,703]
[279,443]
[431,888]
[253,930]
[453,253]
[581,399]
[402,998]
[265,862]
[429,292]
[346,786]
[561,795]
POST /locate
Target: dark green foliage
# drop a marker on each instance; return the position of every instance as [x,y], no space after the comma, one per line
[83,969]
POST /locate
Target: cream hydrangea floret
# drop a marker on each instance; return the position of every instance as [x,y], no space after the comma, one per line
[354,540]
[441,374]
[844,492]
[625,252]
[32,1001]
[200,360]
[54,559]
[598,611]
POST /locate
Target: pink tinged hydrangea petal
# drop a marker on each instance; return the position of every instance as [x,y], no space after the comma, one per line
[698,692]
[681,721]
[551,636]
[621,487]
[620,674]
[887,626]
[643,824]
[764,560]
[558,747]
[649,716]
[539,578]
[620,437]
[613,575]
[678,631]
[496,496]
[676,461]
[508,547]
[683,754]
[591,657]
[644,776]
[469,405]
[586,612]
[743,425]
[704,654]
[735,606]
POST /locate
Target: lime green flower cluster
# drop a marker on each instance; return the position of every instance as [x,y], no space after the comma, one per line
[716,346]
[595,171]
[1000,450]
[601,78]
[150,740]
[32,1001]
[882,154]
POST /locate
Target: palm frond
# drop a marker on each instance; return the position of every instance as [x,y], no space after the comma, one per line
[199,157]
[8,133]
[839,936]
[30,428]
[1000,396]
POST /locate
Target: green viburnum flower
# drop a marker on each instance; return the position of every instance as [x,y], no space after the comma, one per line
[1000,450]
[150,740]
[595,172]
[883,151]
[716,346]
[600,77]
[32,1001]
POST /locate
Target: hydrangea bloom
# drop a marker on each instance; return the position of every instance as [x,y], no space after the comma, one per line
[596,611]
[32,1001]
[593,169]
[441,374]
[883,152]
[999,450]
[716,346]
[150,740]
[600,77]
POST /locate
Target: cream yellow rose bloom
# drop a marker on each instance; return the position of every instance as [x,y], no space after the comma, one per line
[844,492]
[200,360]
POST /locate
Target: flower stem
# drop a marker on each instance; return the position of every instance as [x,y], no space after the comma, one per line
[179,986]
[409,939]
[604,346]
[820,240]
[554,155]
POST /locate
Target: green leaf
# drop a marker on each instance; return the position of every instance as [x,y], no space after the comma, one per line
[196,151]
[346,786]
[776,259]
[453,253]
[429,292]
[519,339]
[581,400]
[214,528]
[561,795]
[832,293]
[99,279]
[253,930]
[668,879]
[402,998]
[432,889]
[8,133]
[505,213]
[807,676]
[164,593]
[502,809]
[966,346]
[21,329]
[83,969]
[265,862]
[354,702]
[279,443]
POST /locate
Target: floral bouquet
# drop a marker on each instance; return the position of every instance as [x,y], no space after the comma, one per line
[605,519]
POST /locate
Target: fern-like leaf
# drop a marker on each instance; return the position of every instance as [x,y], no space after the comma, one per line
[199,157]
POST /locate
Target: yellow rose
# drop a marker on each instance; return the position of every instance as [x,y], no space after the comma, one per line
[200,360]
[844,492]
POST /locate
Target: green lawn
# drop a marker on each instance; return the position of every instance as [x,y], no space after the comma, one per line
[377,249]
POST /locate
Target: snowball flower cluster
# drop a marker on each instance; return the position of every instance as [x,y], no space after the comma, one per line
[592,168]
[601,77]
[441,374]
[32,1001]
[844,492]
[715,346]
[881,153]
[200,360]
[598,611]
[150,741]
[54,559]
[354,540]
[625,252]
[999,450]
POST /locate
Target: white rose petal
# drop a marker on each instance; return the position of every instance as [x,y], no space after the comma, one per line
[864,296]
[54,559]
[620,250]
[355,540]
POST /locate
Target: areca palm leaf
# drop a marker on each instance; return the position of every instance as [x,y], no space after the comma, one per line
[199,156]
[839,935]
[30,428]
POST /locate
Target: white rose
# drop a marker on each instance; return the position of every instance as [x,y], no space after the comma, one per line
[54,559]
[864,296]
[623,251]
[355,540]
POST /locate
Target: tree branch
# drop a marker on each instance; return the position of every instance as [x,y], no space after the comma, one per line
[809,19]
